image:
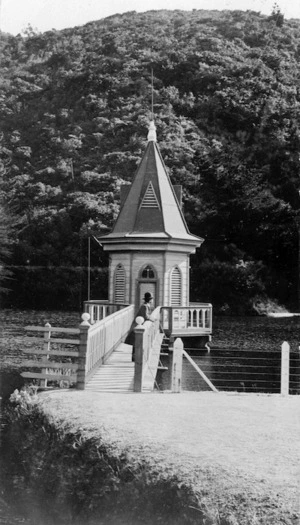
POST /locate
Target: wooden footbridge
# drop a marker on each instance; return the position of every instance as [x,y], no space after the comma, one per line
[95,357]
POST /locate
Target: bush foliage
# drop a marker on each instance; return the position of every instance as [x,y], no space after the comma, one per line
[85,478]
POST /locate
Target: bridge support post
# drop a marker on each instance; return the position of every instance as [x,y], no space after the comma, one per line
[139,358]
[177,366]
[83,338]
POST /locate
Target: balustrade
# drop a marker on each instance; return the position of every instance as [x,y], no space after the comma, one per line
[104,336]
[98,310]
[193,319]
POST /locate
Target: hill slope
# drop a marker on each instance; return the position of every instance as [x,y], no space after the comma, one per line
[75,107]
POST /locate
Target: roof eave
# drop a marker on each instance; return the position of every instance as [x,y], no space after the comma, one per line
[151,243]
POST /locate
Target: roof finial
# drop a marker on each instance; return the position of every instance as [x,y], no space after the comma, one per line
[152,132]
[152,128]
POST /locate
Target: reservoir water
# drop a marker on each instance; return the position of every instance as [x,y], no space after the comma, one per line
[245,356]
[233,370]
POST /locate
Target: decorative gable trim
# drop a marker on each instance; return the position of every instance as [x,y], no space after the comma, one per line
[150,200]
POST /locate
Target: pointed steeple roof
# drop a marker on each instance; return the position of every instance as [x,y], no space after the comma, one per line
[151,208]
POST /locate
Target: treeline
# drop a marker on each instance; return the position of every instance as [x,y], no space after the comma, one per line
[74,112]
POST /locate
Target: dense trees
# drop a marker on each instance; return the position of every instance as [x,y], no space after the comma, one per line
[5,230]
[74,111]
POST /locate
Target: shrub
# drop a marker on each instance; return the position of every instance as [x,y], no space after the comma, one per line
[231,288]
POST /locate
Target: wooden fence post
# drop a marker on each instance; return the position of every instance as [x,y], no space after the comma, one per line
[177,366]
[285,368]
[47,336]
[138,355]
[83,338]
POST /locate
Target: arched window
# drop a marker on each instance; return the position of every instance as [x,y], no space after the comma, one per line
[148,272]
[147,282]
[176,287]
[119,284]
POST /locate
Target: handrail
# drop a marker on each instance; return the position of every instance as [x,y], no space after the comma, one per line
[178,353]
[99,309]
[195,319]
[95,343]
[207,381]
[104,336]
[105,302]
[145,336]
[201,305]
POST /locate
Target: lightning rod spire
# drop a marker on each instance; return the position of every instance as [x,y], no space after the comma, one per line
[152,98]
[152,128]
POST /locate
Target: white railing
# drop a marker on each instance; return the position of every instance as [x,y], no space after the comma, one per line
[98,310]
[178,352]
[193,319]
[145,336]
[104,336]
[150,333]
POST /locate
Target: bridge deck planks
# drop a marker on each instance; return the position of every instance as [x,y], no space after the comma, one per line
[117,374]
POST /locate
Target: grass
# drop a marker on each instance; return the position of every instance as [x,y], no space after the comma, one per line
[239,453]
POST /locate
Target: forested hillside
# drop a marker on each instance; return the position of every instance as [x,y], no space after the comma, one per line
[74,112]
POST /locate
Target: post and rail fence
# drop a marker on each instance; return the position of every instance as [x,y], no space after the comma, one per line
[286,372]
[54,361]
[47,347]
[178,353]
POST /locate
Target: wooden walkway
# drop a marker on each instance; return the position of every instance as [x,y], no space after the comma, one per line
[117,374]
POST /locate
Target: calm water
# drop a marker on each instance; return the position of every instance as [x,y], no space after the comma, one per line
[234,371]
[244,357]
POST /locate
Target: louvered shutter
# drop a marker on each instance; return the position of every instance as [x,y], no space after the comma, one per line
[120,284]
[150,199]
[176,287]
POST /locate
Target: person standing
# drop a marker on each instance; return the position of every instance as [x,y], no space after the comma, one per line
[144,311]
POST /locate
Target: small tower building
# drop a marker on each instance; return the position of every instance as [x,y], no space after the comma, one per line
[150,243]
